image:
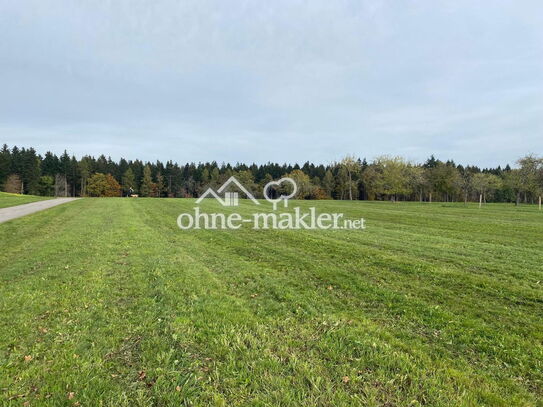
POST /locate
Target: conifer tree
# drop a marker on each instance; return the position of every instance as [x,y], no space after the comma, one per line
[147,182]
[160,187]
[129,181]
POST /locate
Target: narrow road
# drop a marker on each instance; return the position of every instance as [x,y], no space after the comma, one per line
[26,209]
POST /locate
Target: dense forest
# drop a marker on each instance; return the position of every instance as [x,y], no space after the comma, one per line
[23,170]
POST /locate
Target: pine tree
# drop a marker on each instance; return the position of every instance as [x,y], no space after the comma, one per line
[205,177]
[328,183]
[214,181]
[50,164]
[84,171]
[147,182]
[128,181]
[159,184]
[30,171]
[16,161]
[5,164]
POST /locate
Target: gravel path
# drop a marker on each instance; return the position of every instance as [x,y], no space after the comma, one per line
[26,209]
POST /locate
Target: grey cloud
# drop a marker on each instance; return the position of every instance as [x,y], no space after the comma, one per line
[286,81]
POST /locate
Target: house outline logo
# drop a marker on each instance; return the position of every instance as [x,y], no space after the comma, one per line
[230,198]
[274,192]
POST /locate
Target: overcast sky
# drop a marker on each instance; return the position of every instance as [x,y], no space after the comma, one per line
[286,81]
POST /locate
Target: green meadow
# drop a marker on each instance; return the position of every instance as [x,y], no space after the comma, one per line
[106,302]
[7,200]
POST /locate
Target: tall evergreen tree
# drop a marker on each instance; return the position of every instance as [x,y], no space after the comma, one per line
[160,187]
[128,181]
[84,171]
[30,171]
[146,187]
[328,183]
[5,164]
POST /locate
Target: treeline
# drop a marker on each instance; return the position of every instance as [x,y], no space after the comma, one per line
[23,170]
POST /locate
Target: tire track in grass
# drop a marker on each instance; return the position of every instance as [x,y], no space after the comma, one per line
[429,324]
[514,342]
[97,324]
[457,281]
[266,349]
[502,327]
[17,243]
[192,241]
[230,243]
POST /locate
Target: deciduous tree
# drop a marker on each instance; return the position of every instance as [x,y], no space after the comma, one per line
[484,184]
[13,184]
[352,168]
[103,185]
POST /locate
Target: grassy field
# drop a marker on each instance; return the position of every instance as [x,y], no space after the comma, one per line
[106,302]
[17,199]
